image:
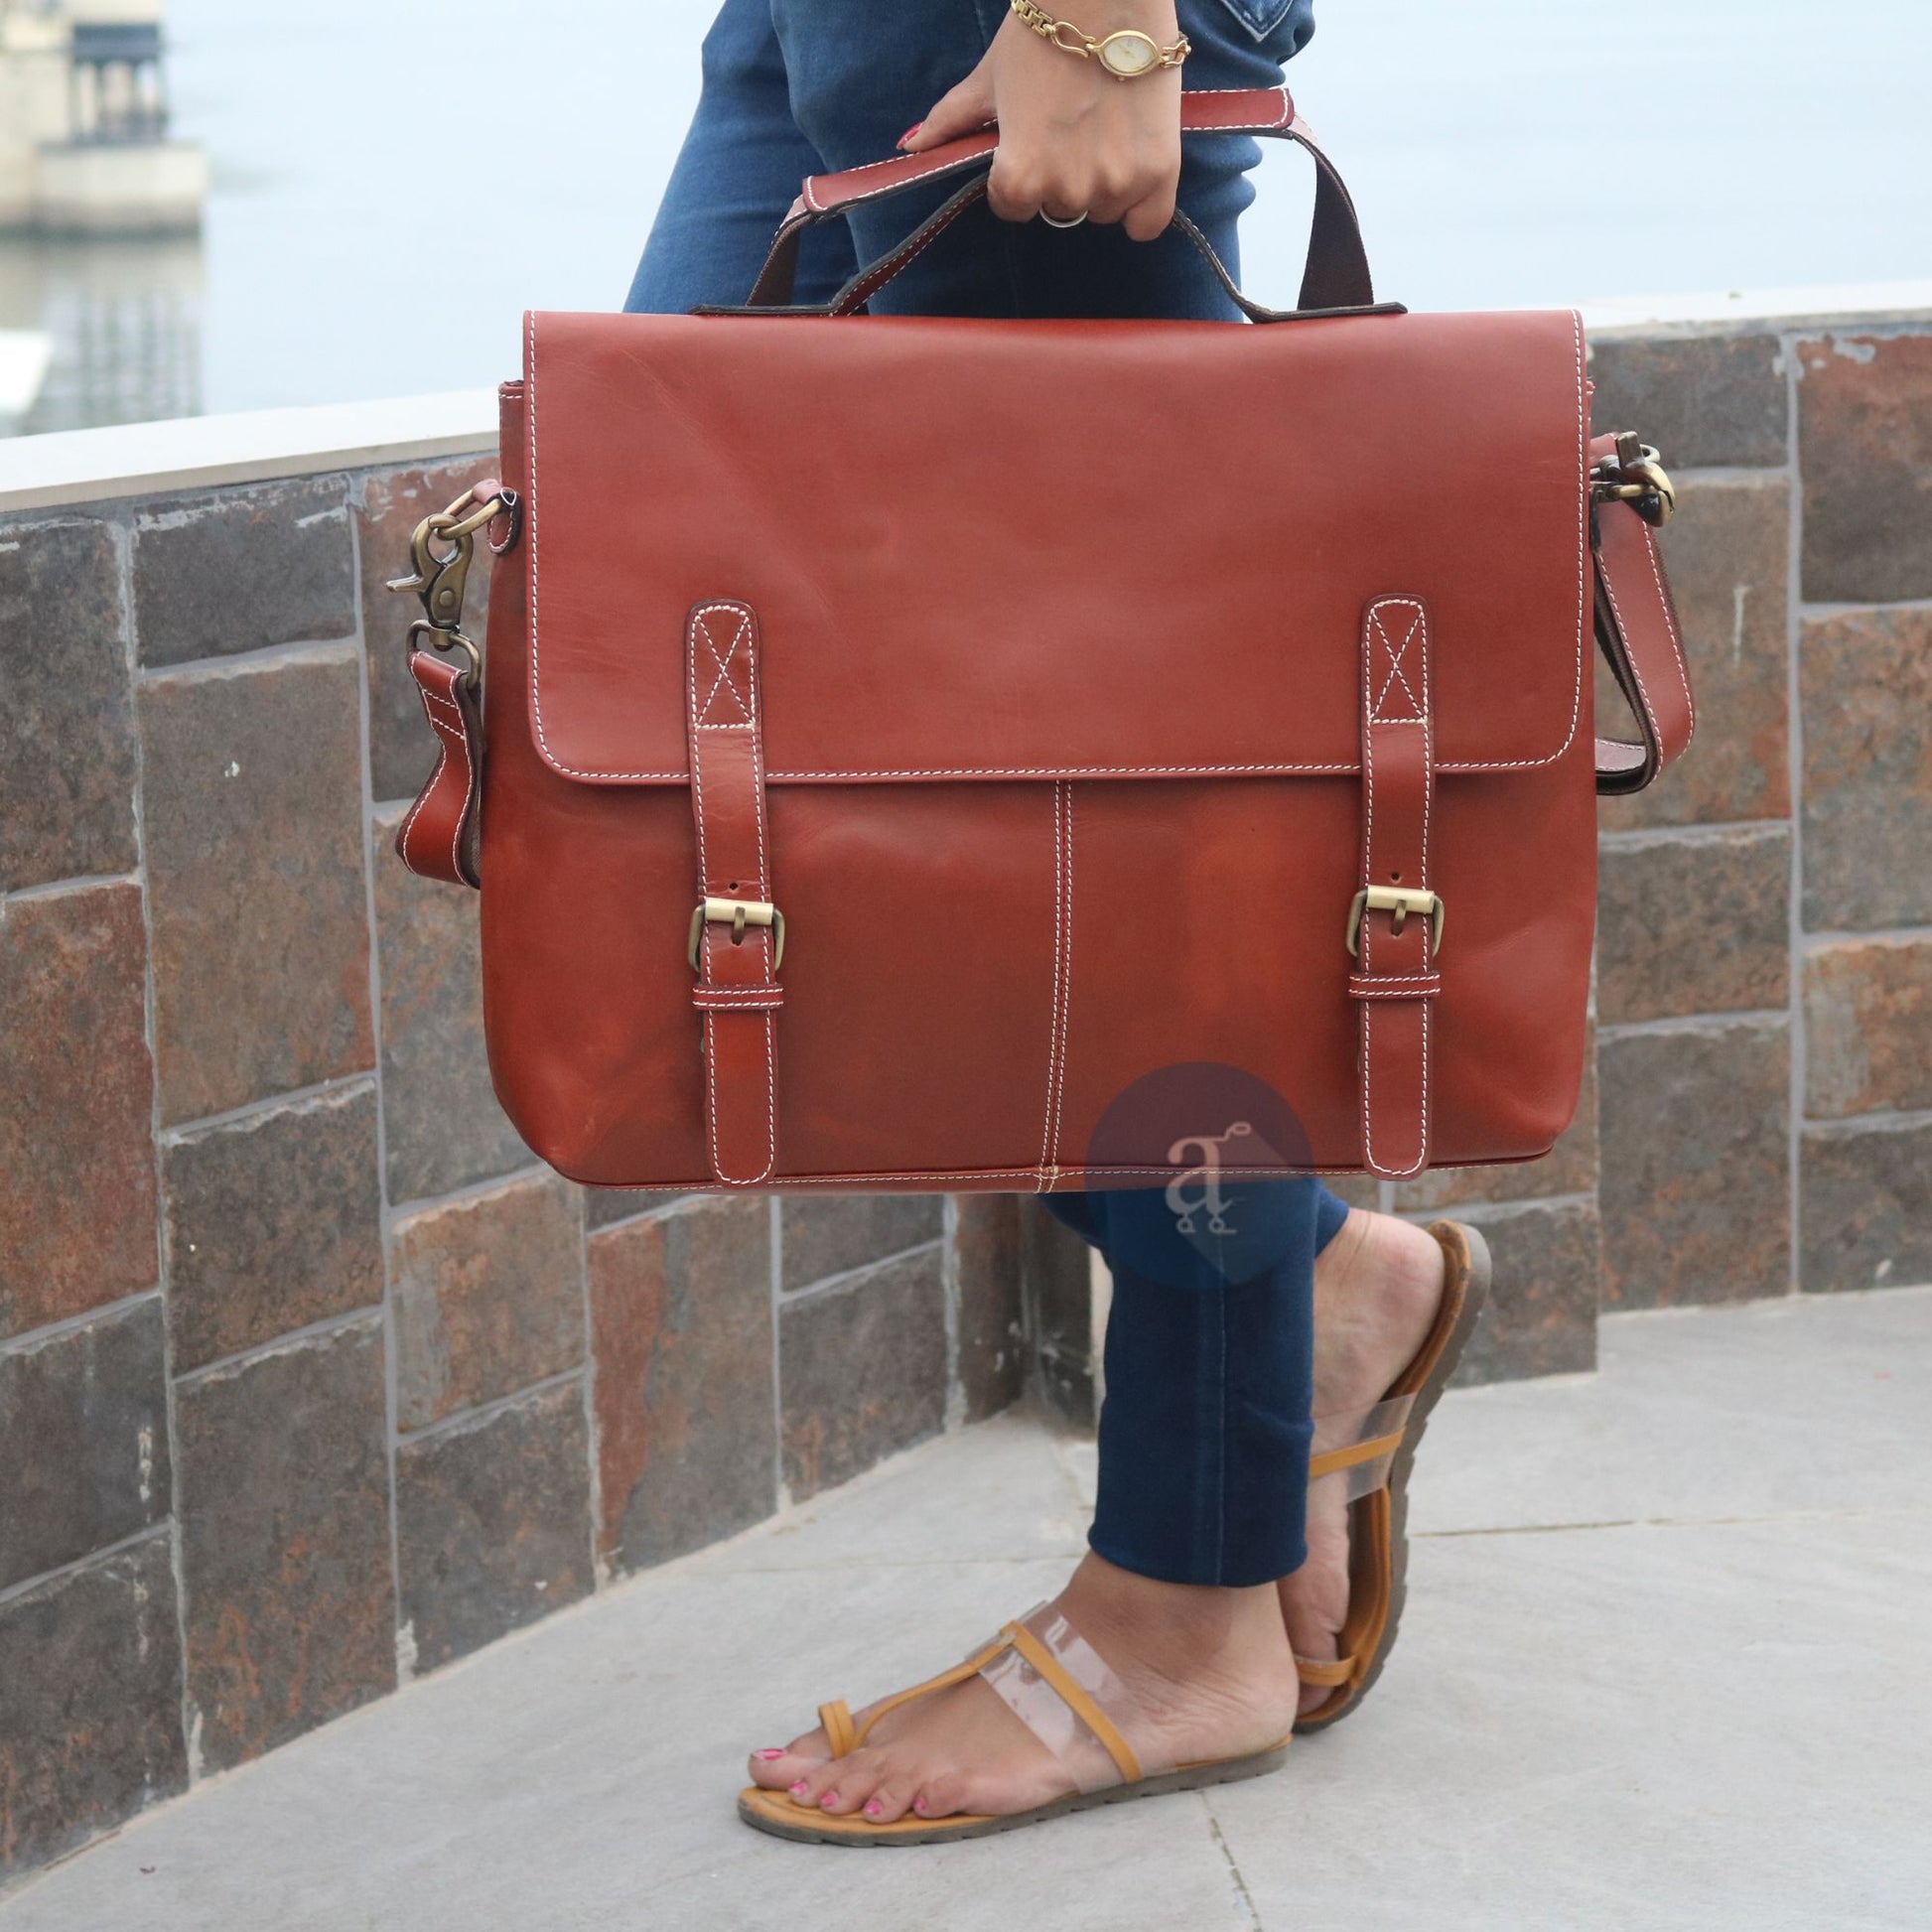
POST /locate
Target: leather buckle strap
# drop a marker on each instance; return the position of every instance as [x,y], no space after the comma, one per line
[1395,981]
[440,837]
[1636,619]
[737,932]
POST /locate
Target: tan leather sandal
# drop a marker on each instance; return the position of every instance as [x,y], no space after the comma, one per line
[1060,1688]
[1372,1452]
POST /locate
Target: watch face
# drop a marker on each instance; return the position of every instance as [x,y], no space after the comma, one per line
[1127,52]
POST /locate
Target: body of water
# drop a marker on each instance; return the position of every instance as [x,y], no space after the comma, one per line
[396,181]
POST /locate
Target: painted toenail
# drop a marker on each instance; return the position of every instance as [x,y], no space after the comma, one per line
[772,1752]
[873,1807]
[798,1789]
[829,1800]
[918,1803]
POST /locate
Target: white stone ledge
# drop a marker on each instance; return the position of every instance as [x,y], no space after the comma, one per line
[92,466]
[1874,305]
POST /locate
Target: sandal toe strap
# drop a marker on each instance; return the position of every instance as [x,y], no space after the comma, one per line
[1054,1681]
[841,1734]
[1324,1670]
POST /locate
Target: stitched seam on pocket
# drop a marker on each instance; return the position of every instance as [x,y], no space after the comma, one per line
[1248,12]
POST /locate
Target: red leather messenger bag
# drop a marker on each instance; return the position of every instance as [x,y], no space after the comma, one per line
[906,734]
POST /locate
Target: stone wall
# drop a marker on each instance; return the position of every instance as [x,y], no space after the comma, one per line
[311,1379]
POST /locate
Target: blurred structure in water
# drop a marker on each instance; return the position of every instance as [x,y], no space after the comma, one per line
[84,147]
[100,213]
[121,325]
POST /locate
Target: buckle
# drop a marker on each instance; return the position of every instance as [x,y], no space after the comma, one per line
[1401,900]
[738,913]
[1635,475]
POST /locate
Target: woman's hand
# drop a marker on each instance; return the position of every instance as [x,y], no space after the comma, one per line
[1073,140]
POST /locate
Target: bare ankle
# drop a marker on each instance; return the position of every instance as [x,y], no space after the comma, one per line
[1156,1618]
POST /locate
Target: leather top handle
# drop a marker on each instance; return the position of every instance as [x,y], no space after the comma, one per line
[1336,277]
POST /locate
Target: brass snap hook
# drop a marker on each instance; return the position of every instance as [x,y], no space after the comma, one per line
[1637,477]
[441,550]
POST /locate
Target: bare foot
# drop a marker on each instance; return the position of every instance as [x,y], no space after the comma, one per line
[1209,1673]
[1377,1287]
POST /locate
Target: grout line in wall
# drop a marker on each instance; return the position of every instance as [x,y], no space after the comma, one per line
[476,1415]
[956,1411]
[343,1086]
[31,1339]
[400,1631]
[244,663]
[1491,1210]
[1694,1022]
[1845,935]
[1903,606]
[1879,1120]
[61,1571]
[775,1208]
[471,1191]
[1032,1345]
[191,1716]
[850,1277]
[64,888]
[1730,475]
[594,1490]
[1794,751]
[1635,838]
[657,1210]
[319,1330]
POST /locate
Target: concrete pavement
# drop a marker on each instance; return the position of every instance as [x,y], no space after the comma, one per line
[1664,1667]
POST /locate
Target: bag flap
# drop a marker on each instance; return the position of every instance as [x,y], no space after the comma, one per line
[1054,549]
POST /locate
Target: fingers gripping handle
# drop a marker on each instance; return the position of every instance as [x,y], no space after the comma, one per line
[1337,275]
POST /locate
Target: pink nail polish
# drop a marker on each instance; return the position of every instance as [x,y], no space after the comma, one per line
[772,1752]
[909,132]
[918,1803]
[798,1789]
[873,1807]
[829,1800]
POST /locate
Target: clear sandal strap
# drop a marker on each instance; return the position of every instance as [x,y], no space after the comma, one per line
[1095,1753]
[1357,1446]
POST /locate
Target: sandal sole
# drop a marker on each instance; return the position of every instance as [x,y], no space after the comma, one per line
[1475,1293]
[761,1809]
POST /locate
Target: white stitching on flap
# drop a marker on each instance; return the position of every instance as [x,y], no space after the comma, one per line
[1058,772]
[1420,624]
[724,679]
[1396,654]
[700,628]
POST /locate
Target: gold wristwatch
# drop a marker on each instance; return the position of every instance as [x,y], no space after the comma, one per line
[1125,55]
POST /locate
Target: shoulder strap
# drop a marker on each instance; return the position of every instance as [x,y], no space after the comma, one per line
[1637,629]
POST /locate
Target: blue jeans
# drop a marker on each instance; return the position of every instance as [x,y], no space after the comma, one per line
[1205,1429]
